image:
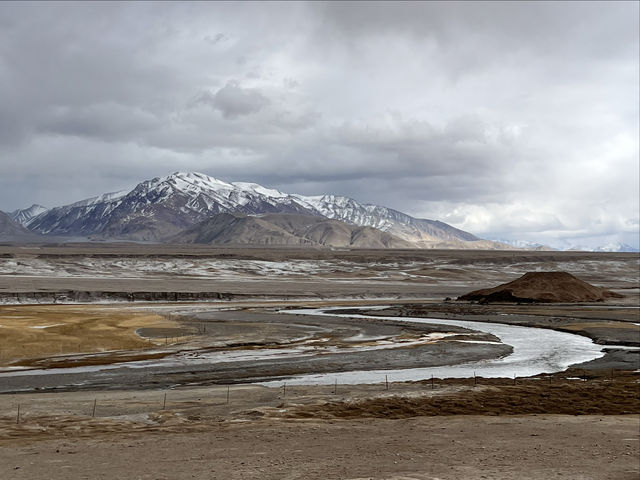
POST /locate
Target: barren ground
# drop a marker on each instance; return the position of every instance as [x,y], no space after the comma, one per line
[579,424]
[411,431]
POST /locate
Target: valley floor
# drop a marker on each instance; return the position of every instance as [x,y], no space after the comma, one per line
[579,424]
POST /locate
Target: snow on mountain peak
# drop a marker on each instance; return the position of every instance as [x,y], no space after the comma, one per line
[25,215]
[615,247]
[187,181]
[104,198]
[259,189]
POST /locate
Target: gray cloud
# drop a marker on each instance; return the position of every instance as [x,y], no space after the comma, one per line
[507,119]
[234,101]
[107,121]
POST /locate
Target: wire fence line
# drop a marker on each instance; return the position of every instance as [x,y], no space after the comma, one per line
[223,399]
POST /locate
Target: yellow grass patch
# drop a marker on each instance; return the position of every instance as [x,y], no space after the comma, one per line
[37,331]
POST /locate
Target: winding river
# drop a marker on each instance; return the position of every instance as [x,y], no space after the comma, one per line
[535,351]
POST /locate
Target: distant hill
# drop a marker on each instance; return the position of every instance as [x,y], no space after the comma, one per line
[542,287]
[286,229]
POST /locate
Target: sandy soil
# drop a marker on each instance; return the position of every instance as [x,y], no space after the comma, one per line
[468,447]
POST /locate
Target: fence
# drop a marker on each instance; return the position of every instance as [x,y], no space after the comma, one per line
[222,400]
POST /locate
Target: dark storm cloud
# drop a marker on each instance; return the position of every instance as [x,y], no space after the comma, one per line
[471,112]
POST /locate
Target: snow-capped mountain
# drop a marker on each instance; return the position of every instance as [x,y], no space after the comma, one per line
[25,215]
[615,247]
[526,245]
[609,247]
[158,209]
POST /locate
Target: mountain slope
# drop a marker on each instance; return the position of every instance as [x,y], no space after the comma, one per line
[81,218]
[230,228]
[156,210]
[416,230]
[286,229]
[25,215]
[11,231]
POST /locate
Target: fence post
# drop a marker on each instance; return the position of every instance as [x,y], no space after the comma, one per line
[93,413]
[228,392]
[386,382]
[18,416]
[432,381]
[164,402]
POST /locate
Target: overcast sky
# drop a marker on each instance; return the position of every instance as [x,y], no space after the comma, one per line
[509,120]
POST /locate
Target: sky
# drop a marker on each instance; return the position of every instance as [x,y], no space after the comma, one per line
[515,121]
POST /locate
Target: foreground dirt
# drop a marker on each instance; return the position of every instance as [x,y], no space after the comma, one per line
[469,447]
[453,429]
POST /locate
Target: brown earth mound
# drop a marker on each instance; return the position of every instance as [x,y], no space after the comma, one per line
[542,287]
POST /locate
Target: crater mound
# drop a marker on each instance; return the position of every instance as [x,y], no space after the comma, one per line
[542,287]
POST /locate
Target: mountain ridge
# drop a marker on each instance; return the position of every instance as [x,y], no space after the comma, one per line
[160,208]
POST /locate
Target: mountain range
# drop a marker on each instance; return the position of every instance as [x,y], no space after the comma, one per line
[611,247]
[196,208]
[193,207]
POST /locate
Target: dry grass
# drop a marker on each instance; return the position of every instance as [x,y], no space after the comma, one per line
[30,332]
[497,397]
